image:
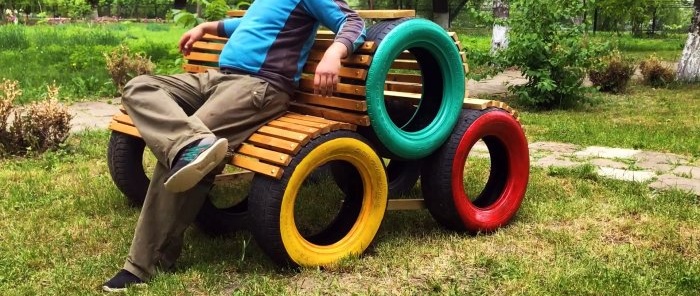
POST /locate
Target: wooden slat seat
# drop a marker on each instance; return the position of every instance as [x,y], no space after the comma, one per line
[272,147]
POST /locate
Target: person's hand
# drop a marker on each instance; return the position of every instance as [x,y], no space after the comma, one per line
[326,78]
[189,38]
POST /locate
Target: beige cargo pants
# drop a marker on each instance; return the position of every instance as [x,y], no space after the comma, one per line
[169,113]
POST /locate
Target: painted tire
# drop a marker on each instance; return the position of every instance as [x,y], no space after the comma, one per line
[443,86]
[401,177]
[125,162]
[272,204]
[499,201]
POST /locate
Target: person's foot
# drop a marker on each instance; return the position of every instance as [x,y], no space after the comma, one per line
[121,281]
[195,161]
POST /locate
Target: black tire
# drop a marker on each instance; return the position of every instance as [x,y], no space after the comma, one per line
[402,176]
[355,223]
[501,197]
[125,162]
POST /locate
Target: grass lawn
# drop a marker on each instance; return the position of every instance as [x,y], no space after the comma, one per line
[66,228]
[72,56]
[646,118]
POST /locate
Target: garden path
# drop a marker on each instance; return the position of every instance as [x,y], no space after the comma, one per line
[659,170]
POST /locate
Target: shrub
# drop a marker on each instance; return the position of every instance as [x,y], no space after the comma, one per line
[123,65]
[612,73]
[36,127]
[216,10]
[550,51]
[655,73]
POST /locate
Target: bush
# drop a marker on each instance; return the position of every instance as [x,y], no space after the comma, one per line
[612,73]
[216,10]
[36,127]
[655,73]
[123,65]
[550,51]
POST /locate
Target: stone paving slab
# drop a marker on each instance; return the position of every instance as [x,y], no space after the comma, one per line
[626,175]
[673,181]
[554,147]
[606,152]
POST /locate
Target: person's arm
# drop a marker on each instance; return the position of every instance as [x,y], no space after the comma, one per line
[195,34]
[337,16]
[326,78]
[221,28]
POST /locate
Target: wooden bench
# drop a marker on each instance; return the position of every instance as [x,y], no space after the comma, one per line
[270,149]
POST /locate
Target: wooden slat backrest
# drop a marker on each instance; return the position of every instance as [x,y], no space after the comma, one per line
[365,14]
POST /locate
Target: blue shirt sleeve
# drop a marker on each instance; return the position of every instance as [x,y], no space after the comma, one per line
[228,26]
[337,16]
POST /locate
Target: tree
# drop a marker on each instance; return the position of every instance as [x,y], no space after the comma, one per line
[500,30]
[441,13]
[689,66]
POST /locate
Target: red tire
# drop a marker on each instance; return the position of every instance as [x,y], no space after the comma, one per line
[503,193]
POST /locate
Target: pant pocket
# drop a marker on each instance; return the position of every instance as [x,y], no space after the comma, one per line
[259,94]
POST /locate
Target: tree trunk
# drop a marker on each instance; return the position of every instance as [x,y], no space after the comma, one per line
[441,13]
[180,4]
[689,66]
[501,12]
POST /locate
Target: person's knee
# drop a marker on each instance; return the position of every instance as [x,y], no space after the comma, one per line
[134,86]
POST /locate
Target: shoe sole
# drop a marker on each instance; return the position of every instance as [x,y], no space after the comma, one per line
[122,290]
[189,175]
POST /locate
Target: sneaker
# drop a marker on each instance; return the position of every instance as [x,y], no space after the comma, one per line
[121,281]
[195,162]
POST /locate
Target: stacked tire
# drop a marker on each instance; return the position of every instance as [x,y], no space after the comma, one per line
[430,140]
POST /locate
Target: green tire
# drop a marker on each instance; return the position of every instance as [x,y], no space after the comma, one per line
[443,88]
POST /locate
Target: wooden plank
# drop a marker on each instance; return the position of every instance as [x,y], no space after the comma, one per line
[237,177]
[403,87]
[414,78]
[405,204]
[202,57]
[345,72]
[397,95]
[313,132]
[123,128]
[333,125]
[365,14]
[323,44]
[209,37]
[352,60]
[323,128]
[477,104]
[332,114]
[307,84]
[284,134]
[123,118]
[272,143]
[336,102]
[453,35]
[405,64]
[254,165]
[197,68]
[201,45]
[270,156]
[311,118]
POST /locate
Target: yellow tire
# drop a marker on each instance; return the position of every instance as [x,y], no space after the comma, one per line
[272,204]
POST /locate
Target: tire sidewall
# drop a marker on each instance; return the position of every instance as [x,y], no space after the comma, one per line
[427,35]
[503,126]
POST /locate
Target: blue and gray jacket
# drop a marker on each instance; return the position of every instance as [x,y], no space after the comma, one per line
[272,41]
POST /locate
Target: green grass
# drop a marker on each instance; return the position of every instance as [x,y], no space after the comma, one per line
[666,120]
[72,55]
[66,228]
